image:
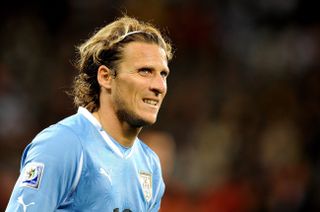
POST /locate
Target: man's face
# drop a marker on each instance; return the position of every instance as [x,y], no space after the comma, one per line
[140,84]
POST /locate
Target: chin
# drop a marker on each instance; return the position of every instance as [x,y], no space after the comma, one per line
[151,122]
[150,119]
[138,123]
[146,121]
[135,120]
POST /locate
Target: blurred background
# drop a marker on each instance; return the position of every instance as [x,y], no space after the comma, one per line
[240,127]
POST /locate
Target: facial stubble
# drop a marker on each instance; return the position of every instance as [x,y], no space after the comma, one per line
[125,114]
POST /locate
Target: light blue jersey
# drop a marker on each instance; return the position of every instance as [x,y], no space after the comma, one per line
[75,166]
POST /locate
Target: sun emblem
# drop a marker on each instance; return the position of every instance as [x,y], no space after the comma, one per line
[30,173]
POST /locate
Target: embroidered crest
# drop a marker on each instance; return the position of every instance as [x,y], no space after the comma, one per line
[146,184]
[32,174]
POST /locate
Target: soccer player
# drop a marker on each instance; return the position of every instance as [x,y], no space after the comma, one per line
[93,160]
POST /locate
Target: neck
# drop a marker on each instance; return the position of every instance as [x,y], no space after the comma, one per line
[122,132]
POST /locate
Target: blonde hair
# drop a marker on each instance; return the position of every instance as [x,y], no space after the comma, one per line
[105,48]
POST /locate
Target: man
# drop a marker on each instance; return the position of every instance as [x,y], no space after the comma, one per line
[93,160]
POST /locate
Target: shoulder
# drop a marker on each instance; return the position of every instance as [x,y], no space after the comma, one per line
[58,134]
[59,140]
[67,131]
[149,154]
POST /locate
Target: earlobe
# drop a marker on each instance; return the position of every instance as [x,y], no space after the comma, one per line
[104,76]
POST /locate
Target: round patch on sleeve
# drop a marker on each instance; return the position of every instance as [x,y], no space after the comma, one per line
[32,174]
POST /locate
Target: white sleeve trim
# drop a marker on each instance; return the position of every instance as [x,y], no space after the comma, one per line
[78,174]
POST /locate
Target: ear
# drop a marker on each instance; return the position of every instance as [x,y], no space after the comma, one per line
[104,76]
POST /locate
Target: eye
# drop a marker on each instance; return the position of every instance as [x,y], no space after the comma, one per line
[164,74]
[144,71]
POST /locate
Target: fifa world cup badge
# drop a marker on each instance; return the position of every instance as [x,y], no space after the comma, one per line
[146,184]
[32,174]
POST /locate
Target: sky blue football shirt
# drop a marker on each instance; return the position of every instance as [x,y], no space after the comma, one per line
[75,166]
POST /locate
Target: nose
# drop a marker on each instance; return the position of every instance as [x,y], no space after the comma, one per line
[158,85]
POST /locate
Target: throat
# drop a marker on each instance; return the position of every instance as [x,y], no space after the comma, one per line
[121,132]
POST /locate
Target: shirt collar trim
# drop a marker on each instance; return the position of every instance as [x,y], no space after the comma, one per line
[103,133]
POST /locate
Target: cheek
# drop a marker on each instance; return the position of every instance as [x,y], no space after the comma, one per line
[130,90]
[119,97]
[125,93]
[165,85]
[166,89]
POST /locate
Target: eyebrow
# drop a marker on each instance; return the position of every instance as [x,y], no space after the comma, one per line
[152,68]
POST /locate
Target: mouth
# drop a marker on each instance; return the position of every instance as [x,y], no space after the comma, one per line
[151,102]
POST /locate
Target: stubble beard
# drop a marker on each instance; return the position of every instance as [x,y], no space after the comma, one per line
[125,115]
[130,118]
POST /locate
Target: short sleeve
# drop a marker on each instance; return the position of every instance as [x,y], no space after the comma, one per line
[49,168]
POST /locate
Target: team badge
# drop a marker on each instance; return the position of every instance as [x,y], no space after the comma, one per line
[146,184]
[32,174]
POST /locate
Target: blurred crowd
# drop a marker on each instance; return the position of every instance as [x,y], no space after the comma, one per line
[239,130]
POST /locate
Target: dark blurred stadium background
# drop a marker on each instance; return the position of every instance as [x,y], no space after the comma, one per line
[244,93]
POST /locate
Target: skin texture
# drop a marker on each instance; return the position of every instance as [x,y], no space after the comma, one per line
[125,105]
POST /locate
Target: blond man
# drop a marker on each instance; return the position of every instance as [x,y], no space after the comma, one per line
[93,160]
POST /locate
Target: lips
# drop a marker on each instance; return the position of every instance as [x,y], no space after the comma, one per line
[152,102]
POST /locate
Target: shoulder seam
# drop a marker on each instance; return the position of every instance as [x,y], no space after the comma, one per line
[79,170]
[73,132]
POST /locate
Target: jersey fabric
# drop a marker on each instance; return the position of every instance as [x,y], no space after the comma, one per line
[74,165]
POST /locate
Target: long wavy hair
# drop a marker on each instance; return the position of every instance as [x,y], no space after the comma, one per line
[105,47]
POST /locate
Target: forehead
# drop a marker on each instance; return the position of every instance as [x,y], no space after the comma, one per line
[145,54]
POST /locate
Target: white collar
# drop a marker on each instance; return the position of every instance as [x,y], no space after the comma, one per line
[103,133]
